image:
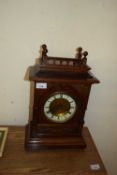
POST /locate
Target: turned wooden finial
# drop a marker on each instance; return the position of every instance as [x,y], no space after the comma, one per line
[79,53]
[44,50]
[81,56]
[85,56]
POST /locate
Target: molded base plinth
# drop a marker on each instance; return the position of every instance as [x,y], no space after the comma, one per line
[36,143]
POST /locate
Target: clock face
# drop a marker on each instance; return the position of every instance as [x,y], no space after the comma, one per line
[60,107]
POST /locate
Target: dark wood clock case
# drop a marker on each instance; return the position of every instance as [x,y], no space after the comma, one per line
[55,74]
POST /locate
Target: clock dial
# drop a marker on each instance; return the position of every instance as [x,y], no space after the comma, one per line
[59,107]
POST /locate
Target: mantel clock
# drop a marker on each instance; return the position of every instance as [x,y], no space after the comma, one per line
[61,92]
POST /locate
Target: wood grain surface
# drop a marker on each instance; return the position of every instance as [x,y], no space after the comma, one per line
[17,161]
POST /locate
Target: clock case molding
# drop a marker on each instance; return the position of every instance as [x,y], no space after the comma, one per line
[67,75]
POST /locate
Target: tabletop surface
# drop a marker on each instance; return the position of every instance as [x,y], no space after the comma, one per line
[16,160]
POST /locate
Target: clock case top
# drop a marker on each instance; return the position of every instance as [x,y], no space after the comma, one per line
[71,76]
[58,69]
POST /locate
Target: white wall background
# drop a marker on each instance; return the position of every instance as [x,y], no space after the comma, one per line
[62,25]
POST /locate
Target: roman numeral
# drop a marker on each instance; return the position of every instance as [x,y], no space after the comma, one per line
[61,95]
